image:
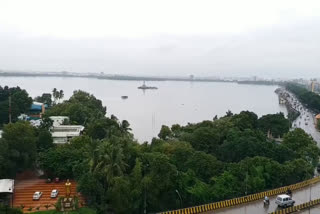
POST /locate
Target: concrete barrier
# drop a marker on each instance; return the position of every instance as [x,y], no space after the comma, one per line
[242,200]
[298,207]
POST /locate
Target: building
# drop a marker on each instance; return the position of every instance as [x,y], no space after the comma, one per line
[6,191]
[59,120]
[36,110]
[64,133]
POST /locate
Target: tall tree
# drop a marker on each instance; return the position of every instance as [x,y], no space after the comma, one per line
[110,161]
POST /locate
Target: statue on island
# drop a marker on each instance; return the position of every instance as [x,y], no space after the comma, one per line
[68,188]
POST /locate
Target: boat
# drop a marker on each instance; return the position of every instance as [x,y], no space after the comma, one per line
[144,87]
[124,97]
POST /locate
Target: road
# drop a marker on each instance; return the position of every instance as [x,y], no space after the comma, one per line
[256,207]
[306,120]
[307,123]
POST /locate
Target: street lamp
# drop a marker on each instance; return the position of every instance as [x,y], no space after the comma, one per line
[179,197]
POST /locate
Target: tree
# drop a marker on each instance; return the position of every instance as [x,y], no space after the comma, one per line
[21,140]
[245,120]
[105,128]
[303,145]
[229,113]
[204,165]
[110,161]
[165,132]
[81,108]
[277,124]
[44,141]
[125,126]
[20,103]
[55,95]
[60,95]
[45,98]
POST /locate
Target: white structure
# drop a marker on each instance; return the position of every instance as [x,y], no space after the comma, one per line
[6,185]
[63,133]
[59,120]
[1,133]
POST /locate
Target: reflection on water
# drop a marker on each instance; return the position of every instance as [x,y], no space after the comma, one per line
[173,102]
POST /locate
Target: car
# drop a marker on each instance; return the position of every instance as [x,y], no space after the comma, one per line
[284,201]
[54,193]
[37,195]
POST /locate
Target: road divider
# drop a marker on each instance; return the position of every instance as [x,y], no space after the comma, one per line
[298,207]
[242,200]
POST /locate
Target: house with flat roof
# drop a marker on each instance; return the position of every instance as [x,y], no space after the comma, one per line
[37,109]
[6,191]
[64,133]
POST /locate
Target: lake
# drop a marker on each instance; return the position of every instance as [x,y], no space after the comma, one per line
[173,102]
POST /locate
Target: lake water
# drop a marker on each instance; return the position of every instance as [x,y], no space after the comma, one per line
[173,102]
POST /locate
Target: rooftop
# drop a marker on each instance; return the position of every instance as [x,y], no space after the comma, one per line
[6,185]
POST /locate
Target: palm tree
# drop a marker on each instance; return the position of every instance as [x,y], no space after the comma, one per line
[110,161]
[60,95]
[54,94]
[125,126]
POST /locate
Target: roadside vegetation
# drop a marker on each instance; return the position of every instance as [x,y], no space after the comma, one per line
[184,166]
[308,98]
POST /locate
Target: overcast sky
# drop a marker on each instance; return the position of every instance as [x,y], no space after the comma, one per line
[272,38]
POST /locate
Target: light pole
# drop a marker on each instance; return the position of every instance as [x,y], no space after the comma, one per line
[179,197]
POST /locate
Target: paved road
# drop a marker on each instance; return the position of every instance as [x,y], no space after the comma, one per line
[256,207]
[313,210]
[306,121]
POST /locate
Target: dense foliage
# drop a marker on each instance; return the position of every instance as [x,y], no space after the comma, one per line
[81,108]
[204,162]
[312,100]
[19,145]
[20,103]
[9,210]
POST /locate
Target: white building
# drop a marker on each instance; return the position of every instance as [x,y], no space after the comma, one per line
[59,120]
[6,186]
[64,133]
[1,133]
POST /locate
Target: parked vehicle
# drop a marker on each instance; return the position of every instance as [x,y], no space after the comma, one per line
[37,195]
[284,201]
[54,193]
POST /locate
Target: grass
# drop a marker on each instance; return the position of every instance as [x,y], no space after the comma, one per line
[83,210]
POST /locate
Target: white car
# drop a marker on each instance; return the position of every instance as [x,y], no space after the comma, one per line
[37,195]
[54,193]
[284,201]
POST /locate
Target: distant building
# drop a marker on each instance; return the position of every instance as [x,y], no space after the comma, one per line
[6,191]
[59,120]
[64,133]
[37,110]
